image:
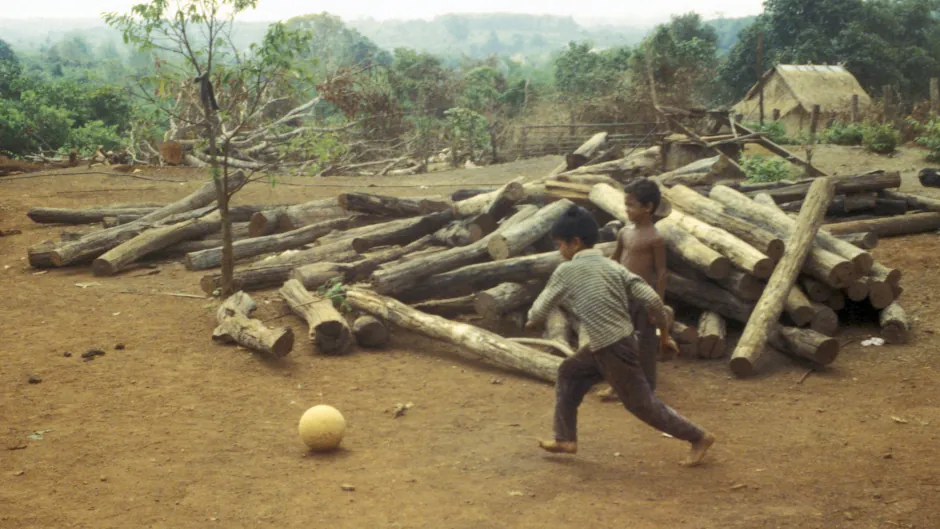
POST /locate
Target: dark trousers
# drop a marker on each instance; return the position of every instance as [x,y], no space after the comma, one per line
[619,364]
[648,345]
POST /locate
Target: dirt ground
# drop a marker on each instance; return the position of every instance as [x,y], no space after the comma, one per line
[174,431]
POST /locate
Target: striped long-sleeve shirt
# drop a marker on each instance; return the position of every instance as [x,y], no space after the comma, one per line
[599,291]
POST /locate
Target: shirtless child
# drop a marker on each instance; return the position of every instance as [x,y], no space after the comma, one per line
[642,250]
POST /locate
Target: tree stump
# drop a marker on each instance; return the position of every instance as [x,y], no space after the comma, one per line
[236,325]
[329,331]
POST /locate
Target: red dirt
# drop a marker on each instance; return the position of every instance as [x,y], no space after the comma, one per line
[175,431]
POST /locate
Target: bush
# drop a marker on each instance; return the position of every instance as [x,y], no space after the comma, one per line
[774,130]
[880,139]
[845,134]
[89,136]
[760,168]
[928,135]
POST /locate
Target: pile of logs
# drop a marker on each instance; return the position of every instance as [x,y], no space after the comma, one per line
[739,258]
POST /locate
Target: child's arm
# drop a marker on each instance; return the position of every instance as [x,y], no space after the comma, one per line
[550,297]
[659,266]
[618,249]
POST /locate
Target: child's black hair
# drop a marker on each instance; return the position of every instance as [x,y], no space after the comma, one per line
[645,190]
[576,222]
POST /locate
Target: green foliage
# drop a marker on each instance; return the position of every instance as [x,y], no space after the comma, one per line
[774,130]
[759,168]
[335,290]
[88,137]
[844,134]
[469,131]
[928,135]
[880,138]
[582,72]
[318,149]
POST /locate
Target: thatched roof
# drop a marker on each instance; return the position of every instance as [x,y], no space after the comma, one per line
[787,87]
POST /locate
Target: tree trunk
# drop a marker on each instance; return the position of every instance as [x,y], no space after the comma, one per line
[744,286]
[582,154]
[823,265]
[805,343]
[473,342]
[329,331]
[890,226]
[825,320]
[700,173]
[296,216]
[887,207]
[880,293]
[885,274]
[313,276]
[558,327]
[512,191]
[449,307]
[865,240]
[271,243]
[845,185]
[712,332]
[511,241]
[153,240]
[798,307]
[816,290]
[494,302]
[370,332]
[265,222]
[741,254]
[610,231]
[639,164]
[768,308]
[455,234]
[83,216]
[236,325]
[487,275]
[275,270]
[401,277]
[693,251]
[857,290]
[386,206]
[405,233]
[913,201]
[895,326]
[707,296]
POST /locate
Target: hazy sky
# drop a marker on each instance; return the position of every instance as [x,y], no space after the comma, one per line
[603,11]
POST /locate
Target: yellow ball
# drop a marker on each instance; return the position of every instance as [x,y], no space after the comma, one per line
[321,428]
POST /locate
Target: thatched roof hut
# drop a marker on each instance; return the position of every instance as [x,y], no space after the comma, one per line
[794,89]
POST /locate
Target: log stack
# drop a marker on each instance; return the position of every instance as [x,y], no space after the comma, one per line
[458,268]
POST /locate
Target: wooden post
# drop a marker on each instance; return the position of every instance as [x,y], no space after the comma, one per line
[768,309]
[776,114]
[934,95]
[854,108]
[523,136]
[760,74]
[738,118]
[814,123]
[888,104]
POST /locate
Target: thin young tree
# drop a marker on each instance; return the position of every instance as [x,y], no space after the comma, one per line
[228,107]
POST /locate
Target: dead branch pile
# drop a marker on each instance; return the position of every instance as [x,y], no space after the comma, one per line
[741,256]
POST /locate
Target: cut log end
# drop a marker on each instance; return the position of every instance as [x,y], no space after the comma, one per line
[719,268]
[764,268]
[880,294]
[857,291]
[775,249]
[895,326]
[741,367]
[827,351]
[498,248]
[825,321]
[370,332]
[102,268]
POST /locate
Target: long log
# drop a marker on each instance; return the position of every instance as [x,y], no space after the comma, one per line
[329,330]
[494,302]
[744,286]
[408,232]
[370,332]
[845,185]
[821,264]
[271,243]
[881,294]
[842,205]
[771,304]
[511,241]
[888,275]
[292,217]
[857,290]
[886,207]
[387,206]
[558,327]
[639,164]
[712,333]
[611,200]
[487,275]
[513,191]
[83,216]
[121,257]
[312,276]
[275,270]
[806,344]
[99,242]
[913,201]
[693,251]
[865,240]
[816,290]
[236,325]
[762,206]
[449,307]
[707,296]
[700,173]
[401,277]
[895,326]
[582,154]
[472,342]
[798,307]
[742,255]
[890,226]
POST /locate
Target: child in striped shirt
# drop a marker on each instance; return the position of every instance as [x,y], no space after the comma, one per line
[602,294]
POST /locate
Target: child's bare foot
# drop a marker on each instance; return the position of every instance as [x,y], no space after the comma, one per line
[698,450]
[608,395]
[559,447]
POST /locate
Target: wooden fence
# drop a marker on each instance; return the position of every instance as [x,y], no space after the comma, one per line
[542,140]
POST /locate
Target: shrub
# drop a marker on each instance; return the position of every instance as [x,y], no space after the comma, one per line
[880,139]
[774,130]
[844,134]
[928,135]
[89,136]
[760,168]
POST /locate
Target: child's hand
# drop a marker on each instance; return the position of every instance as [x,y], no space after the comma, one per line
[668,349]
[531,325]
